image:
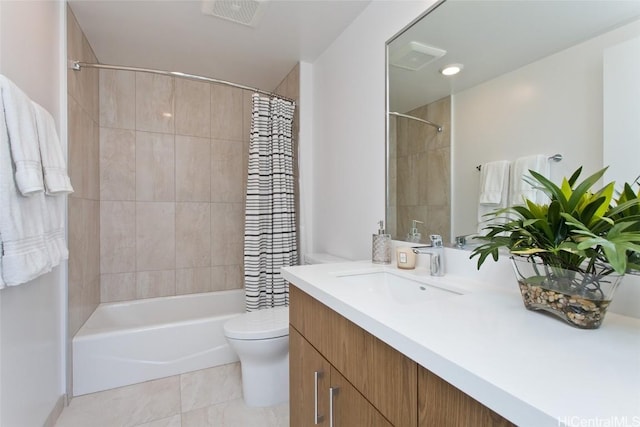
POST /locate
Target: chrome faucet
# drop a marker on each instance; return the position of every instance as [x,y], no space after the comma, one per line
[436,253]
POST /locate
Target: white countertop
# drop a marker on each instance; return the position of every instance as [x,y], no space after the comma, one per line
[531,368]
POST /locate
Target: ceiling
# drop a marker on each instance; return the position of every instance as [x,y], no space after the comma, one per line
[175,35]
[494,37]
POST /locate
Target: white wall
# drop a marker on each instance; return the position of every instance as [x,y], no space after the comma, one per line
[348,154]
[622,111]
[32,316]
[554,105]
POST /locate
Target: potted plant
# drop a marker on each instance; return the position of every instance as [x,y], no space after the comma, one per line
[570,254]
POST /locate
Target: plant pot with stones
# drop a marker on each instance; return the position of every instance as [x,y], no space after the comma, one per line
[569,254]
[578,297]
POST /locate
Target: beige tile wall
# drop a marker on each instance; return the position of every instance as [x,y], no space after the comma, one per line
[420,166]
[290,88]
[172,183]
[84,203]
[171,161]
[392,179]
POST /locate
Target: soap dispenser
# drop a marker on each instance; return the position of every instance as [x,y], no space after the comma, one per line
[381,248]
[414,235]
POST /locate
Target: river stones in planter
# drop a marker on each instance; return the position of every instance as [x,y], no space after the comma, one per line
[577,311]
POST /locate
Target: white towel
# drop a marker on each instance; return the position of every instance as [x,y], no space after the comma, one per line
[54,165]
[494,182]
[520,189]
[493,192]
[31,228]
[23,137]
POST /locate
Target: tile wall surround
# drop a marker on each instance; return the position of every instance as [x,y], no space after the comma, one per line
[208,397]
[290,88]
[173,156]
[420,171]
[83,165]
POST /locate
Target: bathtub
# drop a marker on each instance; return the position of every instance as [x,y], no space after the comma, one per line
[129,342]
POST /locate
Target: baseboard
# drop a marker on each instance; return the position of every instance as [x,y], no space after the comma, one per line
[55,412]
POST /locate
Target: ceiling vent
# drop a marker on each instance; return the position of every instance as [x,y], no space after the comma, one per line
[413,56]
[245,12]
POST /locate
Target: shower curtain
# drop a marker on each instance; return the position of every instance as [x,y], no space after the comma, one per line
[270,239]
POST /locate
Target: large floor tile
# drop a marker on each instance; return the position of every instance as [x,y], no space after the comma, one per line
[211,386]
[236,414]
[174,421]
[125,406]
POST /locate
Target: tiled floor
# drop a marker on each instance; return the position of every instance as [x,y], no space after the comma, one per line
[206,398]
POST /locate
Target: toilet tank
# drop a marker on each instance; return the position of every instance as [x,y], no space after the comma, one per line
[322,258]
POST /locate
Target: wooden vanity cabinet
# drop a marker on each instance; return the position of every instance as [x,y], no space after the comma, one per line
[314,383]
[309,382]
[380,375]
[441,404]
[377,385]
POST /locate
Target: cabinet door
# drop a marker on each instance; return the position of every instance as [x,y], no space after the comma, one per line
[350,409]
[441,404]
[308,395]
[384,376]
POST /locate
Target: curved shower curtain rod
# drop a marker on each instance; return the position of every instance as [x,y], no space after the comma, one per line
[77,66]
[406,116]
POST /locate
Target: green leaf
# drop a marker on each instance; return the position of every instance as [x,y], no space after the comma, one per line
[575,176]
[529,251]
[550,188]
[607,193]
[582,189]
[591,210]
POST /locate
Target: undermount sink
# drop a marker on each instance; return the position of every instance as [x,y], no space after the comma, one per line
[398,289]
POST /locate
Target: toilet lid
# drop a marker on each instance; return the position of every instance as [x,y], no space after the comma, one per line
[260,324]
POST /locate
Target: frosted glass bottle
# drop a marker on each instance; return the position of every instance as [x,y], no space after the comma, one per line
[381,246]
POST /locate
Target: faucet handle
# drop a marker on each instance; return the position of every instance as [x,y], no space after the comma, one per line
[436,240]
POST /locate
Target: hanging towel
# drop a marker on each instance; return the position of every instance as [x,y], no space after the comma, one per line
[32,236]
[520,189]
[493,192]
[23,138]
[54,166]
[494,180]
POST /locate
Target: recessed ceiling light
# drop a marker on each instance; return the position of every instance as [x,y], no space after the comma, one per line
[451,69]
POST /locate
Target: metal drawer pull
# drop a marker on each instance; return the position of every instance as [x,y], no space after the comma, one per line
[317,419]
[333,391]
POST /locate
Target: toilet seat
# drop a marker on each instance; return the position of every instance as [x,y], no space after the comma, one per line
[259,325]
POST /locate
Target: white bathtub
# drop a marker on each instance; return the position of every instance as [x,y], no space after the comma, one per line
[129,342]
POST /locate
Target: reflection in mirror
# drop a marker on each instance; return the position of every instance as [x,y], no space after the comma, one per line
[419,173]
[538,77]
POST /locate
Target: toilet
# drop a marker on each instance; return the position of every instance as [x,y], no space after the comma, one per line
[261,340]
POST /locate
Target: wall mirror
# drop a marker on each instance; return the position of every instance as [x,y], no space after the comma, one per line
[537,77]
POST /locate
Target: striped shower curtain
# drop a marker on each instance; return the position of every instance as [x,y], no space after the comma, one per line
[270,239]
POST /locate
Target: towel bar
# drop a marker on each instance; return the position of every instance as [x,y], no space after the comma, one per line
[555,158]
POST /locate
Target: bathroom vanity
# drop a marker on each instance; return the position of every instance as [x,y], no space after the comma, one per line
[340,371]
[377,346]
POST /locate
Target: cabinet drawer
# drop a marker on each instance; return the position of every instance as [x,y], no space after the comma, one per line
[385,377]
